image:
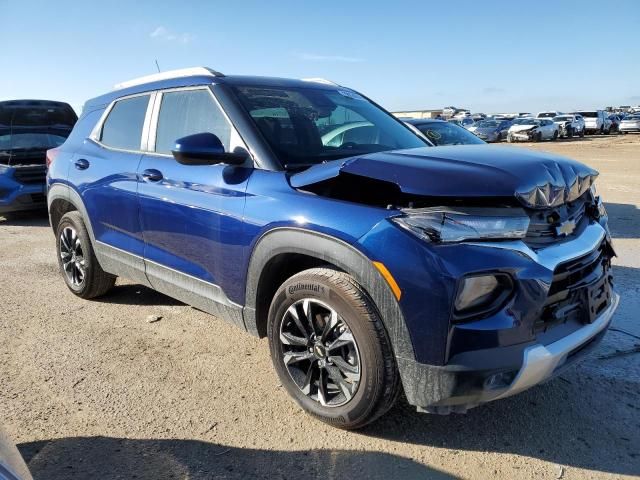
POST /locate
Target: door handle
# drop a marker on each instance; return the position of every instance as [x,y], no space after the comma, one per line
[152,175]
[82,164]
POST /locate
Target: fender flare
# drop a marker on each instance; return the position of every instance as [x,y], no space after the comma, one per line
[342,255]
[58,191]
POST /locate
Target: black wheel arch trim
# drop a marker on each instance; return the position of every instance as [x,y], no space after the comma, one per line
[284,240]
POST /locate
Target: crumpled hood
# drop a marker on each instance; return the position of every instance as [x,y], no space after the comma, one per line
[521,128]
[536,179]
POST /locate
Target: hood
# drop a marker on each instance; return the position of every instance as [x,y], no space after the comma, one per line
[536,179]
[522,128]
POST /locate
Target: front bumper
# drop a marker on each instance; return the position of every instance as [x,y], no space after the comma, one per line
[629,128]
[16,196]
[457,388]
[509,352]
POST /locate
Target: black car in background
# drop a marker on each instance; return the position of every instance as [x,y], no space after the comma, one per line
[28,128]
[440,132]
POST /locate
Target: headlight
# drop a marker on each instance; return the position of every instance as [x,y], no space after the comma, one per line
[456,225]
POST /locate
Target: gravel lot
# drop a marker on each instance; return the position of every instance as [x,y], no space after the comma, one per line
[90,389]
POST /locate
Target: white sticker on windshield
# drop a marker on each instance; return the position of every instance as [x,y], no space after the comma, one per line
[350,94]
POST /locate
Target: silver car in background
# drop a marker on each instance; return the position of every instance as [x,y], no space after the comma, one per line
[532,130]
[12,466]
[630,123]
[569,125]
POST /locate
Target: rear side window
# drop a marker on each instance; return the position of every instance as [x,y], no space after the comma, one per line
[123,127]
[189,112]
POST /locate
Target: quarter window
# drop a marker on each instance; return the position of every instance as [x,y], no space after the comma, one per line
[189,112]
[123,127]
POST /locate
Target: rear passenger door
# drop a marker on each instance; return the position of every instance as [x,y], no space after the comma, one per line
[192,215]
[104,172]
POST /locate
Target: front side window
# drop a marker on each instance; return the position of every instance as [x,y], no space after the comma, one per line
[188,112]
[305,125]
[123,127]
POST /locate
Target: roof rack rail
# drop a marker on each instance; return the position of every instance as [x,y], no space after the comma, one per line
[183,72]
[320,80]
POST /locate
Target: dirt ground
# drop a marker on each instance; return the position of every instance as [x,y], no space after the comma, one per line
[89,389]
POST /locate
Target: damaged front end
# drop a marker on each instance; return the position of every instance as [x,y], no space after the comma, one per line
[503,257]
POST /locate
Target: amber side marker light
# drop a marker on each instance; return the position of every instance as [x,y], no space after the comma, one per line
[389,278]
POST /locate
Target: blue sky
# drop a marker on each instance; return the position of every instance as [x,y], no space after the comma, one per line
[524,55]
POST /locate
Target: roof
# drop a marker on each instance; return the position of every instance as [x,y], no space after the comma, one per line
[200,76]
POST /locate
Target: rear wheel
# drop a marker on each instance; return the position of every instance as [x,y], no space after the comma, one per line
[79,267]
[330,349]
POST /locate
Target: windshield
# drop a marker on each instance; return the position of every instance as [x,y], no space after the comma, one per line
[447,133]
[589,114]
[546,114]
[563,118]
[307,126]
[30,141]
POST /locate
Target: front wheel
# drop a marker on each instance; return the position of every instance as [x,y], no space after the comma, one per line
[539,137]
[330,349]
[582,133]
[555,135]
[77,261]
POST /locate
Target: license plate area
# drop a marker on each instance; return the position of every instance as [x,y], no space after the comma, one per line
[598,298]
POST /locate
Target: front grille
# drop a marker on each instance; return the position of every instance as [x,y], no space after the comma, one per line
[32,174]
[544,225]
[580,290]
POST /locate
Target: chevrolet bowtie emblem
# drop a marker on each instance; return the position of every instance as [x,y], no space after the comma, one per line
[565,228]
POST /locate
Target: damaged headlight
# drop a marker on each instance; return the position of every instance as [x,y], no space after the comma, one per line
[456,225]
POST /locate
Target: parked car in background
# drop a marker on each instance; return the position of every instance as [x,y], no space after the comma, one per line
[465,122]
[569,125]
[532,130]
[615,123]
[491,130]
[12,466]
[548,114]
[630,123]
[444,133]
[28,128]
[448,273]
[595,121]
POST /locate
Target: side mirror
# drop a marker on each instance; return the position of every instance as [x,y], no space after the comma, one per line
[204,149]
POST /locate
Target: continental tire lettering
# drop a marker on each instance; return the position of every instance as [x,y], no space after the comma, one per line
[319,290]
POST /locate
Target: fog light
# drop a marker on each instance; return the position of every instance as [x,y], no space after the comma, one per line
[481,294]
[475,291]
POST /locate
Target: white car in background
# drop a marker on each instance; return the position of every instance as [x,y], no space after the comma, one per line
[595,121]
[549,114]
[630,123]
[569,125]
[532,130]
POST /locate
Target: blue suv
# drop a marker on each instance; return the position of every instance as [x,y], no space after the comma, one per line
[374,262]
[28,128]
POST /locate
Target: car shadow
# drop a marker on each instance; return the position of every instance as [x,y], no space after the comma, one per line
[135,294]
[33,218]
[624,220]
[106,458]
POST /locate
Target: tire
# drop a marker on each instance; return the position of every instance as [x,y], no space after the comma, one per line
[602,130]
[555,136]
[84,277]
[539,137]
[322,294]
[582,133]
[509,139]
[570,132]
